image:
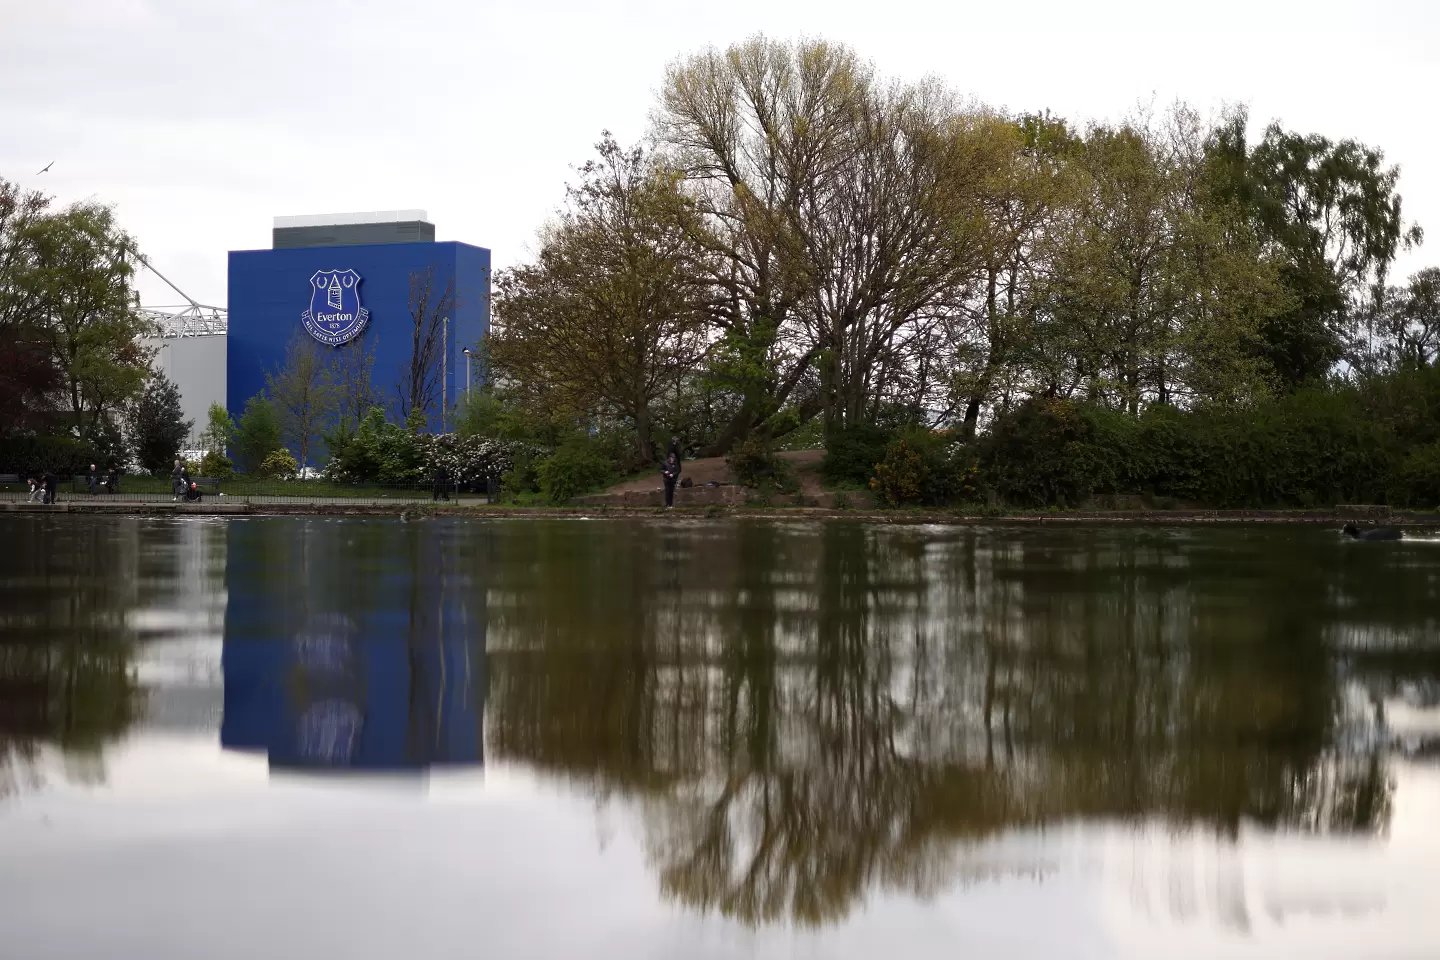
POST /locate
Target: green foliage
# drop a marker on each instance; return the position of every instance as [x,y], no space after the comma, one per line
[754,464]
[379,451]
[215,464]
[1417,480]
[522,480]
[29,456]
[852,453]
[926,468]
[1040,455]
[219,429]
[575,468]
[279,465]
[842,501]
[258,433]
[157,424]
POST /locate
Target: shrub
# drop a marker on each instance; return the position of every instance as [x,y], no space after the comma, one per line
[852,453]
[753,464]
[1042,454]
[1417,480]
[377,452]
[470,460]
[521,479]
[217,465]
[279,465]
[926,467]
[575,468]
[31,456]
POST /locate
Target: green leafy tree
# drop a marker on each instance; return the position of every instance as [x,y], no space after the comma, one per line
[87,312]
[157,424]
[219,429]
[303,395]
[1332,211]
[607,318]
[258,434]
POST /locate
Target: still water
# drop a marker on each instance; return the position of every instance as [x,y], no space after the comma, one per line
[524,738]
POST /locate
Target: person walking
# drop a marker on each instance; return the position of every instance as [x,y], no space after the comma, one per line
[177,481]
[93,480]
[37,490]
[670,472]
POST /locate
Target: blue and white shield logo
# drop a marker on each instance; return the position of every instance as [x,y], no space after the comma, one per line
[335,315]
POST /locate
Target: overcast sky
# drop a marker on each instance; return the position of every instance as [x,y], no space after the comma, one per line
[201,120]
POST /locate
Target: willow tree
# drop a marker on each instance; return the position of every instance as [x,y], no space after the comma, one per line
[609,316]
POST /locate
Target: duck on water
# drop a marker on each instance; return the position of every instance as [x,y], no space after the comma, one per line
[1372,533]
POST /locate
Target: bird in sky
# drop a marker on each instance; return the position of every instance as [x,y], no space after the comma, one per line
[47,167]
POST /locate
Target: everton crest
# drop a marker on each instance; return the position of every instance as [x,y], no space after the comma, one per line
[335,315]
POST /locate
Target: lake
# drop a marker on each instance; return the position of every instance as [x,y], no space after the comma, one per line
[367,738]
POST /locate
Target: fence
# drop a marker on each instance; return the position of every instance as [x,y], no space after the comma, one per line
[128,489]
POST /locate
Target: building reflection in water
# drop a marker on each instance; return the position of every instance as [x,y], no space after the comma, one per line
[354,646]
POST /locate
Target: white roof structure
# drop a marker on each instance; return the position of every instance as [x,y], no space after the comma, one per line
[351,219]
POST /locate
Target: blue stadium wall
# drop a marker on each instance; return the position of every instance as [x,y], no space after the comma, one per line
[270,290]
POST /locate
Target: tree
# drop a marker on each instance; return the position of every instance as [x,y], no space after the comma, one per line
[608,316]
[351,369]
[258,433]
[303,395]
[1408,317]
[432,299]
[761,132]
[87,312]
[219,430]
[1332,211]
[157,424]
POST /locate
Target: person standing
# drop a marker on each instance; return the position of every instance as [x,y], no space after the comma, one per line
[50,484]
[177,481]
[114,482]
[93,480]
[670,472]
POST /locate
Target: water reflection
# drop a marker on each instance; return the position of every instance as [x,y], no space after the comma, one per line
[808,713]
[356,647]
[800,719]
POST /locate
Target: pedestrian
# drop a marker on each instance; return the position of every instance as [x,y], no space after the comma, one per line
[177,481]
[670,472]
[93,480]
[37,490]
[50,484]
[114,484]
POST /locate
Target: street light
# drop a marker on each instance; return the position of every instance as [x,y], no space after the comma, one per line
[468,355]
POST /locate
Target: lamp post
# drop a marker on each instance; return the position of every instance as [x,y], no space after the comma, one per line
[468,381]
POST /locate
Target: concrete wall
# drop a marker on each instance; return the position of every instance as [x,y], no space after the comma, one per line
[352,234]
[197,366]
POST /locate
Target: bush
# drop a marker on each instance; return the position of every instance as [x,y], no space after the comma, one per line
[1042,454]
[377,452]
[1417,481]
[472,460]
[279,465]
[926,467]
[31,456]
[217,466]
[575,468]
[521,479]
[753,464]
[852,453]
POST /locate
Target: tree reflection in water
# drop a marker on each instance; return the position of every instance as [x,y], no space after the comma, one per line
[810,712]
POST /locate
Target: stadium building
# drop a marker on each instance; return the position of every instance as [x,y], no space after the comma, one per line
[354,280]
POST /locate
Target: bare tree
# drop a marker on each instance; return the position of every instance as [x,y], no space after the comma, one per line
[431,305]
[352,372]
